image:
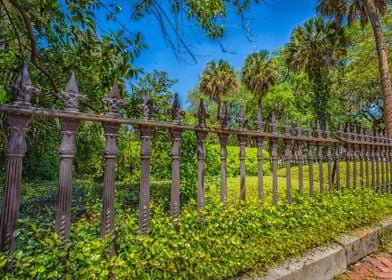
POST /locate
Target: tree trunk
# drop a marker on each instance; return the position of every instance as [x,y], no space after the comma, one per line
[385,78]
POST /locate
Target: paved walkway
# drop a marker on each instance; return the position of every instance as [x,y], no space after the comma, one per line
[375,266]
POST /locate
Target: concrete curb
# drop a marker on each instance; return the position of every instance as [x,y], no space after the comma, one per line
[324,263]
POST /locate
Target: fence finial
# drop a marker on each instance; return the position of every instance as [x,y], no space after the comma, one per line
[22,89]
[319,131]
[259,121]
[202,115]
[224,116]
[361,134]
[287,126]
[241,119]
[327,131]
[176,111]
[348,132]
[148,107]
[341,131]
[274,124]
[298,128]
[309,130]
[70,95]
[355,133]
[114,102]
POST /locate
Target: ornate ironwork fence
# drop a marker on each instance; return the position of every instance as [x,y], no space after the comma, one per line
[371,151]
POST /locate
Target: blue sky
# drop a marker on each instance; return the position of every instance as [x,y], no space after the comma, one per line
[271,26]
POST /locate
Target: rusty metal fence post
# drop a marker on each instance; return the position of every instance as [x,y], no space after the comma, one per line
[146,133]
[223,138]
[288,156]
[274,159]
[16,148]
[114,104]
[176,113]
[259,142]
[71,98]
[242,139]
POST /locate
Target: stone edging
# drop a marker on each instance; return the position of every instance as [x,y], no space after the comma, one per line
[324,263]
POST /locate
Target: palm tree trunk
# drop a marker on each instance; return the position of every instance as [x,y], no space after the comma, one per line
[385,78]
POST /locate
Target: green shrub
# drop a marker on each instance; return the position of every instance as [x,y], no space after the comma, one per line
[219,246]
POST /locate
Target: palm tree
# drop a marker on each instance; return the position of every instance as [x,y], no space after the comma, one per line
[315,48]
[217,80]
[366,10]
[258,74]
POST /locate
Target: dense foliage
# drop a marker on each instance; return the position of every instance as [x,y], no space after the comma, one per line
[221,245]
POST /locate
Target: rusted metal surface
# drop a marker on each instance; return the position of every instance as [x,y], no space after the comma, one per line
[16,148]
[176,113]
[71,99]
[113,103]
[371,152]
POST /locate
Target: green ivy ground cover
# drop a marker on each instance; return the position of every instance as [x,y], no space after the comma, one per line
[244,238]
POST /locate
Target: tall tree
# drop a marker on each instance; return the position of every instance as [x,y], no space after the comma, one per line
[258,74]
[366,10]
[217,81]
[315,48]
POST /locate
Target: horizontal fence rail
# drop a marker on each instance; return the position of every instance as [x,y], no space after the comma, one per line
[367,155]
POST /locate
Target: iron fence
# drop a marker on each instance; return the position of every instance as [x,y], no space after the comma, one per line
[369,150]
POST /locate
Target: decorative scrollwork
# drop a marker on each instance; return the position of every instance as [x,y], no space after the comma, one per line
[114,102]
[22,89]
[71,96]
[176,111]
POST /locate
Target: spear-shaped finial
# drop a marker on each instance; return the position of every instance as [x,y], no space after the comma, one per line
[361,134]
[224,116]
[319,131]
[176,111]
[327,131]
[341,131]
[287,126]
[298,128]
[148,107]
[309,130]
[22,89]
[202,115]
[241,119]
[274,124]
[348,132]
[259,121]
[71,96]
[114,102]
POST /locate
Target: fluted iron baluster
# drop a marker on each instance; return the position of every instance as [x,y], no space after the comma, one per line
[361,156]
[16,148]
[274,158]
[175,132]
[71,98]
[114,104]
[148,108]
[300,158]
[339,150]
[368,155]
[319,132]
[242,139]
[354,156]
[201,153]
[348,157]
[378,159]
[287,156]
[223,137]
[259,141]
[329,158]
[310,160]
[373,157]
